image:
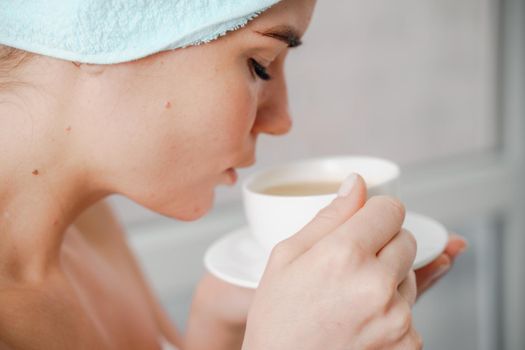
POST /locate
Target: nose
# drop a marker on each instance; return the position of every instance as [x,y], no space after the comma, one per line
[273,116]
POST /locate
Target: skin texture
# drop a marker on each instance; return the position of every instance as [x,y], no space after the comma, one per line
[162,131]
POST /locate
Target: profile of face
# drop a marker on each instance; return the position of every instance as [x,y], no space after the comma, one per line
[165,129]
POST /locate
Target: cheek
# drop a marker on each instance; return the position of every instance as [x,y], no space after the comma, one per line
[221,119]
[235,121]
[169,175]
[170,144]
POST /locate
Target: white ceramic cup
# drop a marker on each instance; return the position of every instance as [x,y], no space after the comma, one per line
[273,218]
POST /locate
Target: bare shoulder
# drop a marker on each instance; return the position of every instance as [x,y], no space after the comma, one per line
[100,227]
[52,319]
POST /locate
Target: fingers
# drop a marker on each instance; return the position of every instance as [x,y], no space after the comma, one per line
[430,274]
[390,328]
[408,289]
[329,218]
[411,341]
[374,225]
[399,254]
[433,271]
[455,246]
[398,322]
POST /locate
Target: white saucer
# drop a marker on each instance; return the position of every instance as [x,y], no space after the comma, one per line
[238,259]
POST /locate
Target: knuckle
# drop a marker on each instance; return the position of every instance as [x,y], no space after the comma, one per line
[389,289]
[412,277]
[394,205]
[402,322]
[357,254]
[388,282]
[412,284]
[280,253]
[334,254]
[411,240]
[382,290]
[338,254]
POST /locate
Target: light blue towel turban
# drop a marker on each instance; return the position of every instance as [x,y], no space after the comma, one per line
[113,31]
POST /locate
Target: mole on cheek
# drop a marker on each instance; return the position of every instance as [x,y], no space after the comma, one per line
[35,172]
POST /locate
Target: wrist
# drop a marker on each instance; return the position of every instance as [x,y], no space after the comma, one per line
[220,302]
[210,328]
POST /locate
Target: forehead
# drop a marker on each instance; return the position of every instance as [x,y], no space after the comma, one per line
[287,13]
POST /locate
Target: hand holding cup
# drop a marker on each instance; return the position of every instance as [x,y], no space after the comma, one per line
[343,281]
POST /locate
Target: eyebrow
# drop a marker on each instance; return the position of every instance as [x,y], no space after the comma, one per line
[287,34]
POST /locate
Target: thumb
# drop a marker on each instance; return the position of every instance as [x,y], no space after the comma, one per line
[351,197]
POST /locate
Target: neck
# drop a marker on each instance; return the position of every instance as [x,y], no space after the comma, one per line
[44,186]
[35,211]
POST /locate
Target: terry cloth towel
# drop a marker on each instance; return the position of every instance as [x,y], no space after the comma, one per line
[113,31]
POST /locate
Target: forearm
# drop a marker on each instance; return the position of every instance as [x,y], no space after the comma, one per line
[218,316]
[204,333]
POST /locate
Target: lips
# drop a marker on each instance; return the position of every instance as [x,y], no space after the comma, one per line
[232,172]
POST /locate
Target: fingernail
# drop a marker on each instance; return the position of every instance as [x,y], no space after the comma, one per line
[441,271]
[464,248]
[347,185]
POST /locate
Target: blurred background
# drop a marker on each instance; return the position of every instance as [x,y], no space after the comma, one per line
[437,86]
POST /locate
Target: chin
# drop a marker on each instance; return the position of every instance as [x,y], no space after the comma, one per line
[189,211]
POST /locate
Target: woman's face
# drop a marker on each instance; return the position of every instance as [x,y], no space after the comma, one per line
[164,130]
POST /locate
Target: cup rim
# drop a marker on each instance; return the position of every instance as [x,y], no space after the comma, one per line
[396,171]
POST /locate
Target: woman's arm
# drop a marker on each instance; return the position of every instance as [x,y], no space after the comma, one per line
[219,310]
[218,315]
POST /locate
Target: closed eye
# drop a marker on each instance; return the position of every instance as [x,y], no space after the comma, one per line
[260,70]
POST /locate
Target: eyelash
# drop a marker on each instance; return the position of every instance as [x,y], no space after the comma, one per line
[260,70]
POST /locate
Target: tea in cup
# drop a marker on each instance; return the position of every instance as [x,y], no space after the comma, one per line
[281,200]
